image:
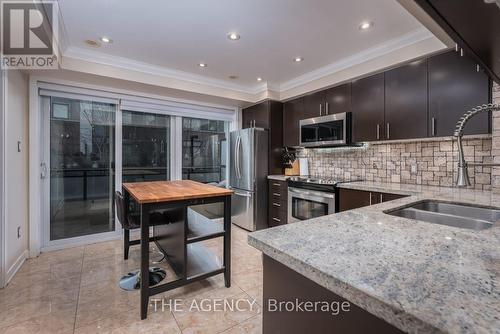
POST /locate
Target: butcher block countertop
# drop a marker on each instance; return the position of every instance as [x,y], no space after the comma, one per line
[168,191]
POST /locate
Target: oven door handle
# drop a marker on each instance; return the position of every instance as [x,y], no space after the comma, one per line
[310,193]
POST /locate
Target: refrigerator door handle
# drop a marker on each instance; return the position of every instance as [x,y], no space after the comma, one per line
[238,160]
[236,157]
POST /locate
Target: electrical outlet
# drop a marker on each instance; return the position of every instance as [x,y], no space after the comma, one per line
[413,169]
[19,232]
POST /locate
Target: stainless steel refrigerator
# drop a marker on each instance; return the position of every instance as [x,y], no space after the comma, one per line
[248,177]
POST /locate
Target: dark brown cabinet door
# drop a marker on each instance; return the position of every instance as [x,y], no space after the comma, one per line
[352,199]
[338,99]
[368,108]
[456,86]
[256,116]
[314,105]
[406,101]
[247,116]
[390,197]
[293,112]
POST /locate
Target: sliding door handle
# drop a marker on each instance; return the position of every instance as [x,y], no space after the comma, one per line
[388,134]
[378,131]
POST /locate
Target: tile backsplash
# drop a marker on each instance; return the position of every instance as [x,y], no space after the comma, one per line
[418,162]
[495,152]
[426,162]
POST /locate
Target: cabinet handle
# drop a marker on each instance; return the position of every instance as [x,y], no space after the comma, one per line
[381,199]
[478,69]
[326,108]
[277,184]
[370,198]
[276,194]
[456,47]
[388,131]
[321,109]
[461,52]
[276,204]
[378,131]
[433,126]
[276,219]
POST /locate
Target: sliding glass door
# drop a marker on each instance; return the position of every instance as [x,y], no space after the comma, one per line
[145,146]
[83,137]
[81,169]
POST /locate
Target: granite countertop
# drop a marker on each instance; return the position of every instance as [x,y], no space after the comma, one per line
[419,277]
[278,177]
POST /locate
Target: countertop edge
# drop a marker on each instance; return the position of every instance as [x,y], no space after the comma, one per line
[394,316]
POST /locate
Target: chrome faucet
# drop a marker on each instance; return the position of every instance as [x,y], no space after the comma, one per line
[462,171]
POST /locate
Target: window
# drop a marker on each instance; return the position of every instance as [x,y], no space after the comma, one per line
[204,150]
[145,147]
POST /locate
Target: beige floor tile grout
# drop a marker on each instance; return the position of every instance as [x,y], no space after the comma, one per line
[79,290]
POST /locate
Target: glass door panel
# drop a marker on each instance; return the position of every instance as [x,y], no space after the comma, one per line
[82,151]
[145,147]
[204,156]
[204,150]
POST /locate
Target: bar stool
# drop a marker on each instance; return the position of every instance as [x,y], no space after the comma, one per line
[131,281]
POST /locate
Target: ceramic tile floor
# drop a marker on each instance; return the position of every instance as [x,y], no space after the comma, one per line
[76,291]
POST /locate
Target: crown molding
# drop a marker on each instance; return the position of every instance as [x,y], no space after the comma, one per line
[134,65]
[382,49]
[255,93]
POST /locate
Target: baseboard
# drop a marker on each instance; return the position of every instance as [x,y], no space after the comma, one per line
[16,266]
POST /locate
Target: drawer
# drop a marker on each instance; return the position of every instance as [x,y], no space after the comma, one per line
[277,217]
[278,205]
[277,189]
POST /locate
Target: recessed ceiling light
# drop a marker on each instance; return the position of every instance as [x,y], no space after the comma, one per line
[233,36]
[259,79]
[298,59]
[105,39]
[202,65]
[365,25]
[92,43]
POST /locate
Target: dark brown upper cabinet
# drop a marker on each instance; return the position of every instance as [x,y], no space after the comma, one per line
[256,116]
[473,25]
[338,99]
[455,86]
[293,112]
[406,101]
[268,115]
[314,105]
[368,108]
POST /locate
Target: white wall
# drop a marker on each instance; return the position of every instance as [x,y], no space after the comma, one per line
[16,170]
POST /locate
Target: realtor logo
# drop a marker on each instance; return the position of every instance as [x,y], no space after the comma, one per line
[29,33]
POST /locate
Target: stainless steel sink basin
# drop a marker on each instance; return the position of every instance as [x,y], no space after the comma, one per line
[457,215]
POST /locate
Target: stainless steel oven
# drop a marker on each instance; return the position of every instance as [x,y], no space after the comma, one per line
[306,204]
[329,130]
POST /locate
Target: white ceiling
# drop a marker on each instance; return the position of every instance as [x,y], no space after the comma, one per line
[177,35]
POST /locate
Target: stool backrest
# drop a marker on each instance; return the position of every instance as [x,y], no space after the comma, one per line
[120,210]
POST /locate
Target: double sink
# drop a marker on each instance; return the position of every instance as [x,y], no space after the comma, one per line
[451,214]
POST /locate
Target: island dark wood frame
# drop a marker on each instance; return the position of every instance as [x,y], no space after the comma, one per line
[178,214]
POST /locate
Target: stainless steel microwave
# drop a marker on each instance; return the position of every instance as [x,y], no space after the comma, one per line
[329,130]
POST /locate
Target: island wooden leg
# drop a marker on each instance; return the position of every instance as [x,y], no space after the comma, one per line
[144,260]
[227,241]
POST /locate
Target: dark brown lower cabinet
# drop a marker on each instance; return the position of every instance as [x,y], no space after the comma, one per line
[277,205]
[350,199]
[282,284]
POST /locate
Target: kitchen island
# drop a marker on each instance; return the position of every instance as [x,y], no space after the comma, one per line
[414,276]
